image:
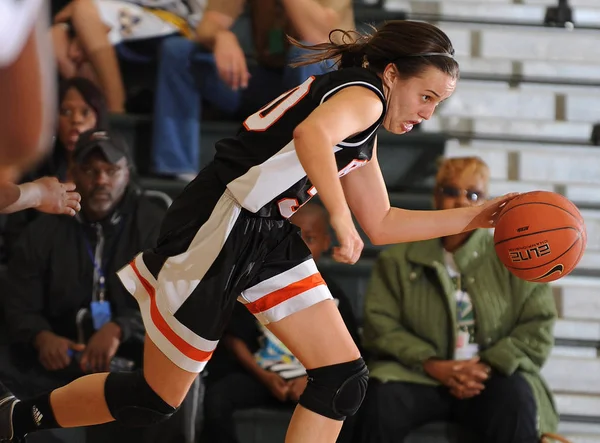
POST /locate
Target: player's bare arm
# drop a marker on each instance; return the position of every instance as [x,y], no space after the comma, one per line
[348,112]
[46,194]
[368,199]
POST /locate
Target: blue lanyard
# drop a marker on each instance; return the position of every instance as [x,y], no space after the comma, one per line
[97,267]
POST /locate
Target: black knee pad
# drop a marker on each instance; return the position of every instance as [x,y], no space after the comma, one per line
[336,391]
[132,401]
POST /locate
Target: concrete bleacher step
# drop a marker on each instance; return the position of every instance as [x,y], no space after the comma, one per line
[579,432]
[573,330]
[578,349]
[393,4]
[578,298]
[489,41]
[570,132]
[581,438]
[530,71]
[574,375]
[495,99]
[550,164]
[578,405]
[498,11]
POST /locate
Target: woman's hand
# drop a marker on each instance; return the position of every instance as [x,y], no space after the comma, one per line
[351,245]
[489,212]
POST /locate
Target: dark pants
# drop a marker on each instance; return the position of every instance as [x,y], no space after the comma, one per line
[235,392]
[504,412]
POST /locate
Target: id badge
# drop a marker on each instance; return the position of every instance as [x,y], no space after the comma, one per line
[462,339]
[101,313]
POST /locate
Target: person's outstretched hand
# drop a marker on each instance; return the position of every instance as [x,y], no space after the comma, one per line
[490,212]
[55,197]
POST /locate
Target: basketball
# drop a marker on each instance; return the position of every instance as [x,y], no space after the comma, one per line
[540,236]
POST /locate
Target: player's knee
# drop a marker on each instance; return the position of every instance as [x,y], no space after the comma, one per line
[336,391]
[132,402]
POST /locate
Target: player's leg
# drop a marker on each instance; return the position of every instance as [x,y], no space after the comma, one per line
[290,297]
[163,384]
[318,337]
[133,398]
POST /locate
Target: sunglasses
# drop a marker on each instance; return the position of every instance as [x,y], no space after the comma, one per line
[472,195]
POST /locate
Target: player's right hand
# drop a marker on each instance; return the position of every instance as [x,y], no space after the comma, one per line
[231,60]
[351,245]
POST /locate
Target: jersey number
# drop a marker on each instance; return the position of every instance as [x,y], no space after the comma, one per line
[268,115]
[288,206]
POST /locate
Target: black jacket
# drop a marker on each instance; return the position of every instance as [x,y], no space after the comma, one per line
[51,273]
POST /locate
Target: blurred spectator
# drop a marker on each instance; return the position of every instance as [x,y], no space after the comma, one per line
[263,373]
[453,335]
[214,69]
[67,312]
[87,32]
[82,49]
[81,108]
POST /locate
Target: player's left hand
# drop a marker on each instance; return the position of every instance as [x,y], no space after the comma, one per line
[56,197]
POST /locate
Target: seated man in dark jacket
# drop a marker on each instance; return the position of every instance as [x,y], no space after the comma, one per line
[67,312]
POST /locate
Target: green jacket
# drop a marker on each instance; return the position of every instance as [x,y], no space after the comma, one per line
[408,319]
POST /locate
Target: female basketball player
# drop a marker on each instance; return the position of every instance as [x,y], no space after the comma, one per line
[227,238]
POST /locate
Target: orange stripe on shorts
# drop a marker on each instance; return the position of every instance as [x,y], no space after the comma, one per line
[279,296]
[161,324]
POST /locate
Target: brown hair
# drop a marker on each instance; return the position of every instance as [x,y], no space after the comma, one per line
[451,167]
[412,46]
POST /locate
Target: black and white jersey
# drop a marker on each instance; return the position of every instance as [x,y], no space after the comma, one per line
[260,165]
[17,18]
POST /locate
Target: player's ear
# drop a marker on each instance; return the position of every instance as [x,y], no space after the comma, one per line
[390,74]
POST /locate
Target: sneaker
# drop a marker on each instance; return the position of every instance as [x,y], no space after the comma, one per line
[7,404]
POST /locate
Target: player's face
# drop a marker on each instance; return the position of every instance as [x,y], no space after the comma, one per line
[101,185]
[461,191]
[76,116]
[410,101]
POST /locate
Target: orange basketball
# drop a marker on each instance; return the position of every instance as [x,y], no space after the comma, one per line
[540,236]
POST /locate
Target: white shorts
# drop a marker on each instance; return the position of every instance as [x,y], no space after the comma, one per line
[17,19]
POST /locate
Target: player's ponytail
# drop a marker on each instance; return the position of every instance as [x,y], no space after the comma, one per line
[412,46]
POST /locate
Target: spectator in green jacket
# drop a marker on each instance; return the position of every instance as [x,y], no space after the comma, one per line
[453,336]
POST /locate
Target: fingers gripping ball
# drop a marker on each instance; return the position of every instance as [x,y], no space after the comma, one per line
[540,236]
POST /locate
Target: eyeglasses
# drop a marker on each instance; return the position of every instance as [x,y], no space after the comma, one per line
[472,195]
